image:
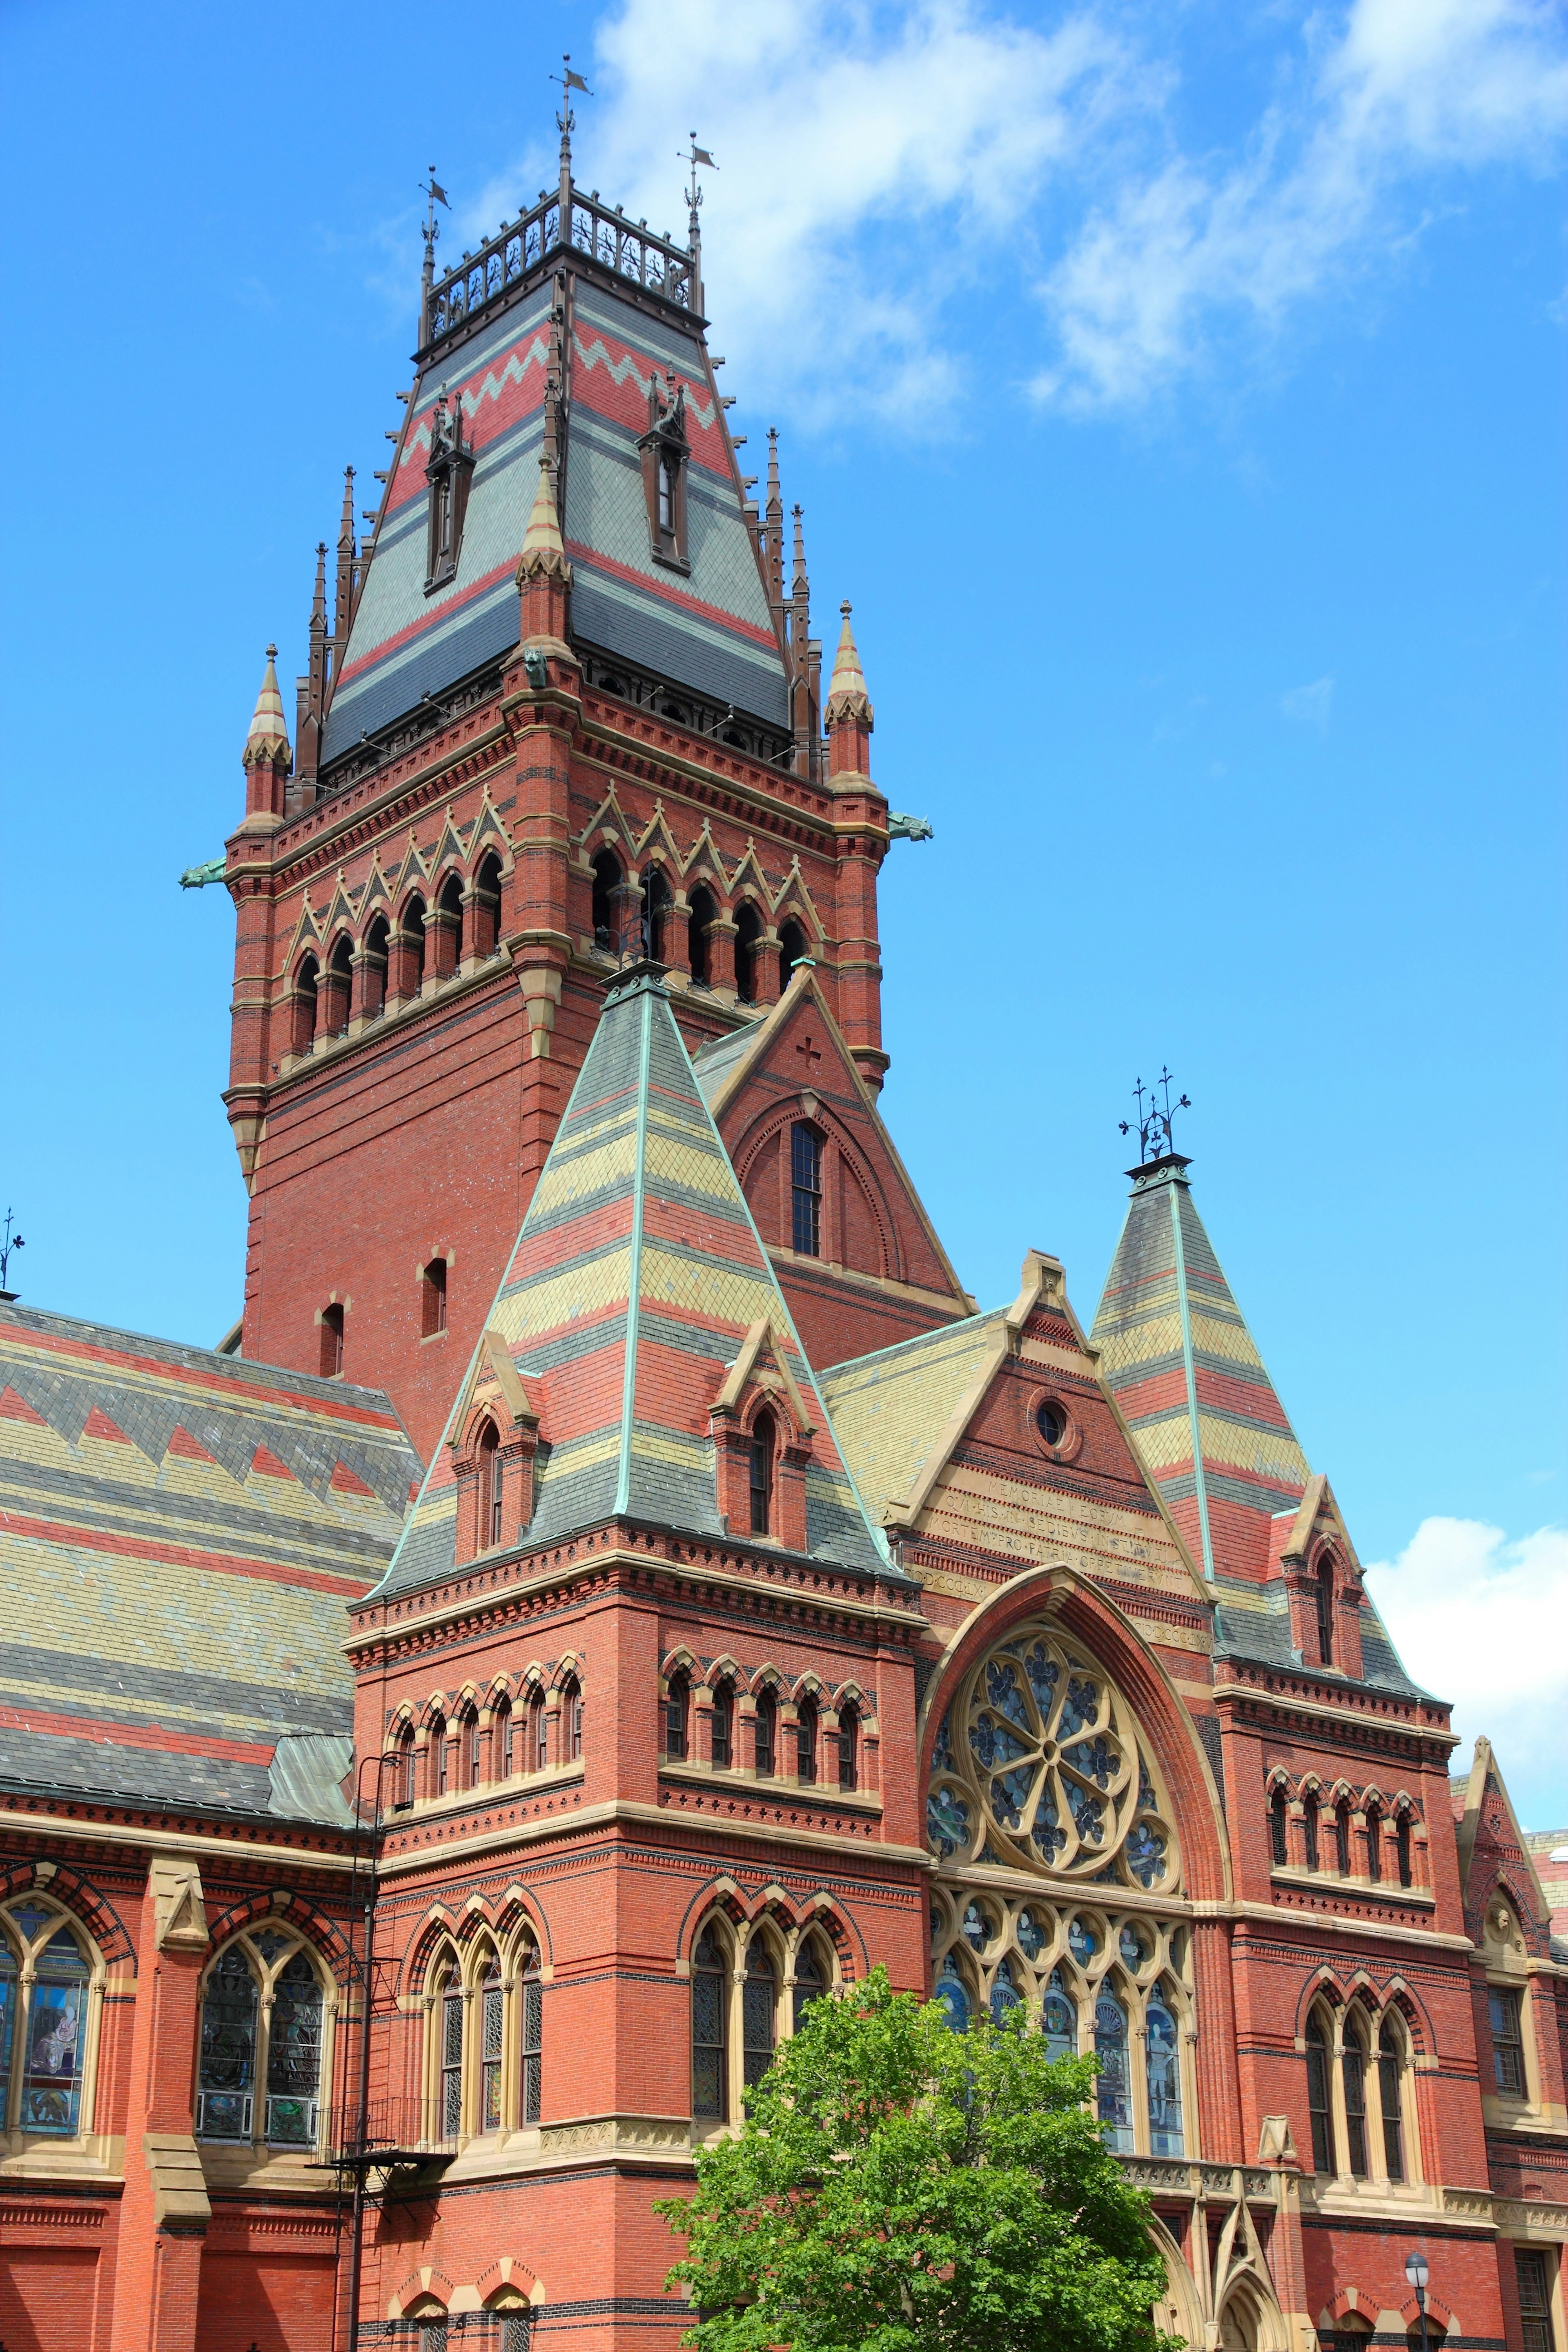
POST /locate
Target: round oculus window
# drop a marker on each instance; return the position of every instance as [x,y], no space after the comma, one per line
[1050,1420]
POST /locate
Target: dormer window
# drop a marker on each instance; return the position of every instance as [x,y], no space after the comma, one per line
[448,473]
[666,454]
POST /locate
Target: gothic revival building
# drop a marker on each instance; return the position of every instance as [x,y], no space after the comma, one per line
[616,1585]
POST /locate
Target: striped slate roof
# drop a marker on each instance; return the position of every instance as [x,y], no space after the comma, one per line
[709,629]
[635,1279]
[889,1410]
[1185,1371]
[180,1532]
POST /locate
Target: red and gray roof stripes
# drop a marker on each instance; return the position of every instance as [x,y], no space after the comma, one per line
[635,1279]
[1185,1371]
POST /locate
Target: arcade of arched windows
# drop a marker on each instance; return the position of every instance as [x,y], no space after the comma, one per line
[52,1995]
[716,939]
[1058,1888]
[484,2012]
[1360,2083]
[752,1981]
[395,954]
[517,1729]
[714,1717]
[1332,1831]
[264,2060]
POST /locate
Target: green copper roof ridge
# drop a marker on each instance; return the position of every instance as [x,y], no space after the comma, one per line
[1189,1373]
[633,1272]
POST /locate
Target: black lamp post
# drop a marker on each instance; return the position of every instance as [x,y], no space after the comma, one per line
[1415,2270]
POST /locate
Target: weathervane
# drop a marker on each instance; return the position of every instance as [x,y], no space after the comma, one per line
[8,1241]
[434,194]
[693,192]
[1153,1124]
[566,120]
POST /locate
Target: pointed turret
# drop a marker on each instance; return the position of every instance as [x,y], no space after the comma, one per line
[267,757]
[344,591]
[311,689]
[640,1317]
[848,714]
[1185,1371]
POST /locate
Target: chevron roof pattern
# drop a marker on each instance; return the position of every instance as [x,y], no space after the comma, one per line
[180,1532]
[1185,1371]
[634,1281]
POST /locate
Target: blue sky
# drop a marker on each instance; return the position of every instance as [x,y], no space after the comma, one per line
[1177,395]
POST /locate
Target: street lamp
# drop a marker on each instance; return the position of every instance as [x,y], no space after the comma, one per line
[1417,2273]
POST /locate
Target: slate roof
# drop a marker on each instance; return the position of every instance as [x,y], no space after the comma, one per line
[889,1410]
[708,628]
[635,1279]
[1253,1622]
[180,1532]
[1184,1368]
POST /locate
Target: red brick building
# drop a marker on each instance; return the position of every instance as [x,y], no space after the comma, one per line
[622,1585]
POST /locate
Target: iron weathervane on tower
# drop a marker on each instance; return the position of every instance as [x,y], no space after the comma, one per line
[1155,1141]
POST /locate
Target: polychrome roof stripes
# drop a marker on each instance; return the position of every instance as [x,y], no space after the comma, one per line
[707,627]
[180,1533]
[889,1410]
[635,1279]
[1185,1371]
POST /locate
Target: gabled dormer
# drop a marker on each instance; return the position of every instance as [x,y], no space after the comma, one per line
[762,1430]
[1322,1583]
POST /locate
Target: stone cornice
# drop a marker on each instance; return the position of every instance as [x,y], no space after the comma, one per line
[1279,1691]
[622,1811]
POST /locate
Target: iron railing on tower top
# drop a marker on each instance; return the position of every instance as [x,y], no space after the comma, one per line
[628,249]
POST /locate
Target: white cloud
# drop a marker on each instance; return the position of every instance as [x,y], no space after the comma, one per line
[1483,1621]
[1310,706]
[878,164]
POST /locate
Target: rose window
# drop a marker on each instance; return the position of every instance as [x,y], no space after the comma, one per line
[1038,1766]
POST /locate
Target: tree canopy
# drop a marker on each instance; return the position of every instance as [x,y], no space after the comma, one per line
[900,2187]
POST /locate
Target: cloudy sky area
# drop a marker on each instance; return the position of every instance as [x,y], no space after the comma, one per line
[1177,393]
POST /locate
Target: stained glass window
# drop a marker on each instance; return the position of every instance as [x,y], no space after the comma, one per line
[1164,2076]
[953,1995]
[1353,2067]
[1388,2071]
[7,2022]
[1005,1993]
[1318,2097]
[1114,2085]
[451,2012]
[294,2054]
[227,2075]
[810,1983]
[710,2038]
[759,1998]
[532,2041]
[57,2033]
[492,2033]
[1059,2019]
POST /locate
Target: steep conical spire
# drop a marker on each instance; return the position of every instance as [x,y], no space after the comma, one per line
[637,1302]
[1185,1371]
[311,704]
[846,695]
[543,547]
[266,745]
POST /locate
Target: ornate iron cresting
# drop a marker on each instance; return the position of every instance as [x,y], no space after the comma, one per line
[625,247]
[1154,1120]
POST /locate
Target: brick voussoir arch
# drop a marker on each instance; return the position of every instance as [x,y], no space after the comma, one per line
[76,1895]
[1058,1592]
[297,1912]
[777,1120]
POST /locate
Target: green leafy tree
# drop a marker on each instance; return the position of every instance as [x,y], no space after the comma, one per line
[900,2187]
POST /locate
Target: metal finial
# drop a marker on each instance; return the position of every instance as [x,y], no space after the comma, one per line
[8,1241]
[1153,1123]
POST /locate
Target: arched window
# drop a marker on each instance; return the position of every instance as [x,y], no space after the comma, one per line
[572,1723]
[486,1455]
[1343,1837]
[763,1440]
[538,1734]
[503,1738]
[1374,1842]
[485,916]
[1390,2068]
[1309,1825]
[1163,2066]
[1325,1600]
[447,923]
[470,1738]
[1353,2075]
[702,911]
[953,1994]
[377,947]
[607,881]
[45,2021]
[263,2007]
[438,1755]
[767,1731]
[848,1743]
[449,2014]
[676,1715]
[1114,2082]
[1005,1994]
[305,988]
[792,950]
[709,2029]
[1318,2106]
[1402,1846]
[806,1741]
[1059,2019]
[806,1189]
[723,1728]
[810,1978]
[531,2039]
[405,1784]
[412,929]
[338,987]
[748,931]
[331,1329]
[433,1298]
[759,2011]
[1277,1845]
[492,2046]
[655,915]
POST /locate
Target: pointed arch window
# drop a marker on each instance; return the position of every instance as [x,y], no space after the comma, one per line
[1163,2070]
[748,933]
[1114,2081]
[572,1722]
[1343,1837]
[503,1737]
[533,2035]
[306,983]
[1374,1842]
[764,1438]
[806,1741]
[1278,1846]
[806,1189]
[377,949]
[227,2081]
[433,1299]
[484,922]
[792,950]
[332,1341]
[538,1734]
[676,1715]
[492,2046]
[767,1732]
[337,988]
[1390,2071]
[1310,1827]
[710,2036]
[657,915]
[491,1499]
[759,2010]
[1324,1593]
[953,1994]
[607,884]
[1402,1847]
[811,1978]
[1059,2019]
[1319,2108]
[449,2010]
[665,452]
[723,1728]
[1353,2076]
[848,1745]
[698,950]
[263,2023]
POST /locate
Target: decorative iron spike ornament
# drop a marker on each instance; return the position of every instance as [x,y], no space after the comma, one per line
[1153,1122]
